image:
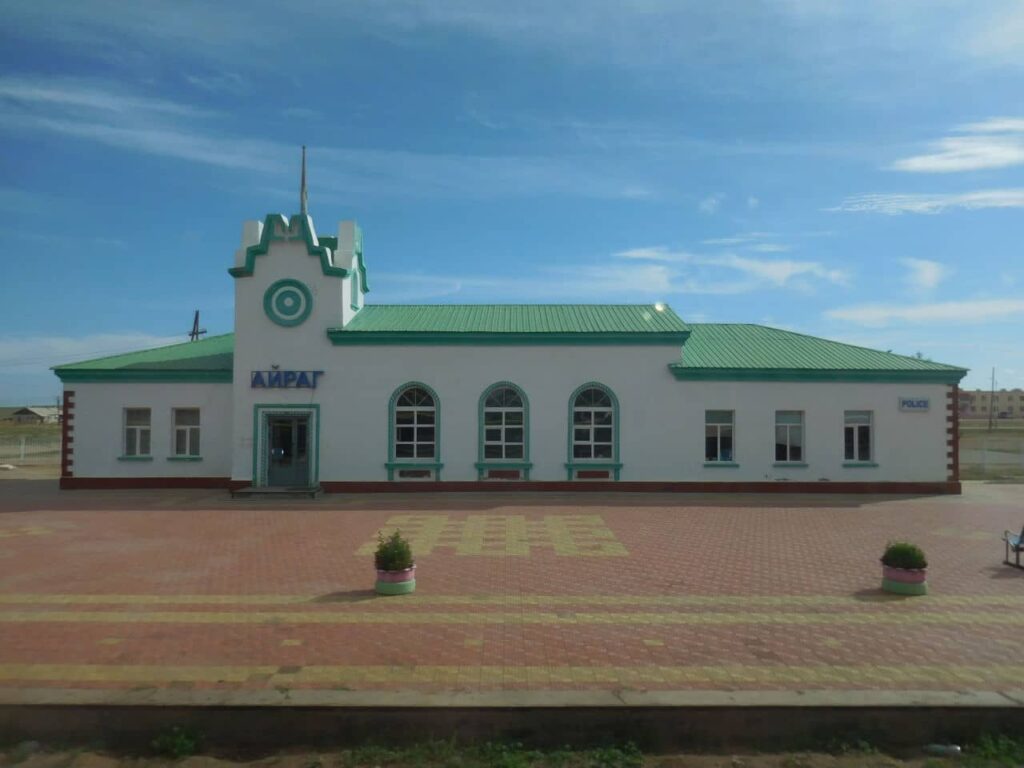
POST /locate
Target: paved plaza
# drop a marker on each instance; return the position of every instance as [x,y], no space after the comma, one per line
[193,591]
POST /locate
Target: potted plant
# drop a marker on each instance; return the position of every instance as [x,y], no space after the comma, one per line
[396,570]
[904,569]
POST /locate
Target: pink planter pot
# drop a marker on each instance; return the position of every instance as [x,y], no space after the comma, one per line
[905,575]
[396,577]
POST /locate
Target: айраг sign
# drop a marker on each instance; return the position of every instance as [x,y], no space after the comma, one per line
[275,379]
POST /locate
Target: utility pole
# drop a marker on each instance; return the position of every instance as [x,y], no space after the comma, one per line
[196,331]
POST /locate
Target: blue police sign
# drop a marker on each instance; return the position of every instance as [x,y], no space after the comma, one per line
[914,404]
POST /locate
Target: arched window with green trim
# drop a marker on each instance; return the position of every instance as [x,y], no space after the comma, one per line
[504,433]
[414,433]
[593,450]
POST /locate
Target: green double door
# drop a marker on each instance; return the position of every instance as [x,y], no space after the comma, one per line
[288,446]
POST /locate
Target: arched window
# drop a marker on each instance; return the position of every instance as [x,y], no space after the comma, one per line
[415,416]
[504,425]
[504,433]
[593,433]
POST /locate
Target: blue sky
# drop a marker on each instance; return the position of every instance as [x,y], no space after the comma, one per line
[850,170]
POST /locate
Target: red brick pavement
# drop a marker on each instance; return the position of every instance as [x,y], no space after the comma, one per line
[189,589]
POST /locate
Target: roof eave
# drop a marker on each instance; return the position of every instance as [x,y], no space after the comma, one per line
[688,373]
[142,376]
[341,336]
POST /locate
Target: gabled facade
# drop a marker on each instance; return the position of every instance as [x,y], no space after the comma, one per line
[318,388]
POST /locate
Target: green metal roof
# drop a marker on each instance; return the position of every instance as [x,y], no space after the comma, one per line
[513,323]
[209,359]
[726,351]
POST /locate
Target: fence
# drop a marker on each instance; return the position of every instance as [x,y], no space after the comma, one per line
[29,449]
[992,456]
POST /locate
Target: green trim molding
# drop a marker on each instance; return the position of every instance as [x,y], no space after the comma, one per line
[684,373]
[134,458]
[259,410]
[146,377]
[276,228]
[795,464]
[860,464]
[343,336]
[720,464]
[573,463]
[483,463]
[184,458]
[393,462]
[288,302]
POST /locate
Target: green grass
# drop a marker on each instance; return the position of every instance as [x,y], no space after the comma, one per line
[447,754]
[11,429]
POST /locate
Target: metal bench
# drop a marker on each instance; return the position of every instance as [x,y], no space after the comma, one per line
[1014,543]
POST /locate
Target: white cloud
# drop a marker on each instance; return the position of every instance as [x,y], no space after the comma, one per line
[220,82]
[770,248]
[994,143]
[166,129]
[924,274]
[958,312]
[895,204]
[710,204]
[756,273]
[39,353]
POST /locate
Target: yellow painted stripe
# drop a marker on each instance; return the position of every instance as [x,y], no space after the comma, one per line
[508,617]
[886,676]
[514,599]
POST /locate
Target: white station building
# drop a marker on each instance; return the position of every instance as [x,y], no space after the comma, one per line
[319,389]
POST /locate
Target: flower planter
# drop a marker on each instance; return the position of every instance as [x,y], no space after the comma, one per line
[905,581]
[396,582]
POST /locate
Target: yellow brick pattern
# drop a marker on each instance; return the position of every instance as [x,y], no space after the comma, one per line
[505,535]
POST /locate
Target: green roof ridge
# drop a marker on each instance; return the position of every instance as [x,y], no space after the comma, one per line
[191,344]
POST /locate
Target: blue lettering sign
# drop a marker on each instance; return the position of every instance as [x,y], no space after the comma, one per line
[285,379]
[914,404]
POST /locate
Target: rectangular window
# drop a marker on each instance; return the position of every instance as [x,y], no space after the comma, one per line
[857,436]
[789,435]
[136,432]
[718,436]
[186,432]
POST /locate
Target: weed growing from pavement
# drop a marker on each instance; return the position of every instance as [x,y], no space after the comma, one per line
[446,754]
[995,750]
[177,742]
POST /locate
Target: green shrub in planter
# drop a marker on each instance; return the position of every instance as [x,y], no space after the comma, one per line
[393,553]
[903,554]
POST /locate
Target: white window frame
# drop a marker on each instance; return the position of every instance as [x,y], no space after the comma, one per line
[502,428]
[417,411]
[591,426]
[731,424]
[789,427]
[192,433]
[136,431]
[857,426]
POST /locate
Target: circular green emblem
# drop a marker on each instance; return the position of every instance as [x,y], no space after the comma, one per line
[288,302]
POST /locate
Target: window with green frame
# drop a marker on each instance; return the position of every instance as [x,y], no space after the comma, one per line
[504,424]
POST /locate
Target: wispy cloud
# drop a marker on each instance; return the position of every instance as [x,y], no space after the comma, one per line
[39,353]
[924,274]
[893,204]
[971,311]
[219,82]
[710,204]
[167,129]
[753,273]
[994,143]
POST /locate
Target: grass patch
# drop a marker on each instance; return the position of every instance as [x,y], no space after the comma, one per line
[997,750]
[446,754]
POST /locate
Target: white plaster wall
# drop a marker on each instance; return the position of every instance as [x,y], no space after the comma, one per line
[661,419]
[98,423]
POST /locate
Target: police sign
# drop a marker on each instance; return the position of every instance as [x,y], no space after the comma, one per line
[918,404]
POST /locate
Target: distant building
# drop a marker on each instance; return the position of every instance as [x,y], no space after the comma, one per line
[1003,404]
[37,414]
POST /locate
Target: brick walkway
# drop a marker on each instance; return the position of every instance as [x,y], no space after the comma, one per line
[189,590]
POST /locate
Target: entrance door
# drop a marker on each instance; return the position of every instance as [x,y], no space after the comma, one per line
[288,462]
